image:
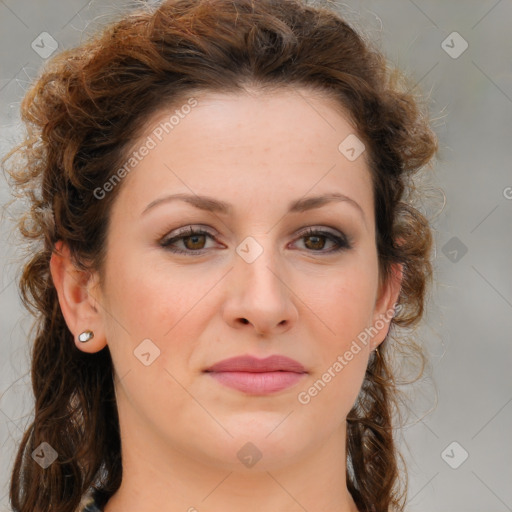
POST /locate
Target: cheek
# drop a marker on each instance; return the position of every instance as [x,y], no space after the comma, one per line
[153,328]
[342,358]
[346,301]
[150,302]
[345,307]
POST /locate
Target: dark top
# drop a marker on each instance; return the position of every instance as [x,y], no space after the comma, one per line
[92,501]
[90,506]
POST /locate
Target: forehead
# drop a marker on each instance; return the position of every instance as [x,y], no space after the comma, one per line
[251,148]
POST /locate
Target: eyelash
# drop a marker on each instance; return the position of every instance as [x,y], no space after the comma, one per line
[343,243]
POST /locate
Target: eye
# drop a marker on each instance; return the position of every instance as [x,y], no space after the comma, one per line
[193,240]
[315,240]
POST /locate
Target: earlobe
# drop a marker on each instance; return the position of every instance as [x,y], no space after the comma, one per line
[389,293]
[74,289]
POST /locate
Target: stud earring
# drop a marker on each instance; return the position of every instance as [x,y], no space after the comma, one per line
[85,336]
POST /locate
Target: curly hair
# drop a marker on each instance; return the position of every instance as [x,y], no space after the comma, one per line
[83,113]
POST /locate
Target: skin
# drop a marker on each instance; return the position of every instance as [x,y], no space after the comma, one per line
[180,429]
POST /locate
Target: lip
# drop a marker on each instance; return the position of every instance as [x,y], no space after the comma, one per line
[248,363]
[257,376]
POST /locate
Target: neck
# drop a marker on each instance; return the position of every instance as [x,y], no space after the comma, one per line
[162,478]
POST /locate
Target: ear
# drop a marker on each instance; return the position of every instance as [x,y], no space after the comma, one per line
[387,297]
[76,292]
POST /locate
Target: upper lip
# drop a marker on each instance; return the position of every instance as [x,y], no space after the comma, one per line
[248,363]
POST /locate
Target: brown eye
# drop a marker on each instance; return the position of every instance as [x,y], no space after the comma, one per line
[318,242]
[317,239]
[193,241]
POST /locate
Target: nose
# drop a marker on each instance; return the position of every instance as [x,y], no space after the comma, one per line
[260,297]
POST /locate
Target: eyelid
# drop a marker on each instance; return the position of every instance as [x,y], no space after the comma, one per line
[324,228]
[341,241]
[199,227]
[335,235]
[169,235]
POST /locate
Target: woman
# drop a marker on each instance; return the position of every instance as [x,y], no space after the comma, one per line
[219,191]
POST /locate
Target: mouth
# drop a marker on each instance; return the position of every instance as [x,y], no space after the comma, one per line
[258,376]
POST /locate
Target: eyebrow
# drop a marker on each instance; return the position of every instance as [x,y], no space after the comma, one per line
[214,205]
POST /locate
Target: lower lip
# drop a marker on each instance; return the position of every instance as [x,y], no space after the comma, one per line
[258,383]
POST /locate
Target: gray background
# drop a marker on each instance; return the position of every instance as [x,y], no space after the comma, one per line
[468,325]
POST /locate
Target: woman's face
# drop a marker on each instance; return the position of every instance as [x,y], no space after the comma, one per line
[252,282]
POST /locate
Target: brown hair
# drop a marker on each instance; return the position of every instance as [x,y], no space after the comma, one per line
[82,114]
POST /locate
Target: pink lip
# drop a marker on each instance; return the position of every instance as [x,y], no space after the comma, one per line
[258,376]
